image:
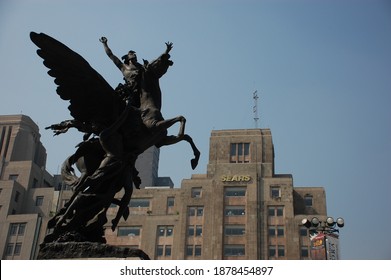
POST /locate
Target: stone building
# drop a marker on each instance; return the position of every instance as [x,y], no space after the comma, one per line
[239,209]
[26,188]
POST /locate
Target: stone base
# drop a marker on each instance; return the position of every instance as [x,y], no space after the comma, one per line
[87,250]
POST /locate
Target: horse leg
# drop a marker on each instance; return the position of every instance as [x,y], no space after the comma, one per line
[172,139]
[165,124]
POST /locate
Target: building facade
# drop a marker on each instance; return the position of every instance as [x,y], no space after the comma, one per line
[29,195]
[239,209]
[26,188]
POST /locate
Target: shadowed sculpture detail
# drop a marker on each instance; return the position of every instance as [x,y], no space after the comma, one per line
[118,125]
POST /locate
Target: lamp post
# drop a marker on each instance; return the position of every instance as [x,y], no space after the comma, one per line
[324,237]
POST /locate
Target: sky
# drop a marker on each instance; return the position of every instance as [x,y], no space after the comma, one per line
[322,71]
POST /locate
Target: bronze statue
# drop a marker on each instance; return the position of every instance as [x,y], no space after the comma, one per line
[119,124]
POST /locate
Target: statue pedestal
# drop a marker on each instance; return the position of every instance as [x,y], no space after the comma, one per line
[87,250]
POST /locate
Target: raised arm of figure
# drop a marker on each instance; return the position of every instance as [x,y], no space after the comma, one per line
[110,54]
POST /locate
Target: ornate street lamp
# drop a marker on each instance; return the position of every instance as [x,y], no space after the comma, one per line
[324,236]
[328,226]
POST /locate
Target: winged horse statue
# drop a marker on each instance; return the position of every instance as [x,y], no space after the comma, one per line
[118,125]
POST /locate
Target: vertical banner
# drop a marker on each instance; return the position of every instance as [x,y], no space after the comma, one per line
[332,247]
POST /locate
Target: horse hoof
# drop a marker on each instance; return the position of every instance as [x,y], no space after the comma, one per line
[194,163]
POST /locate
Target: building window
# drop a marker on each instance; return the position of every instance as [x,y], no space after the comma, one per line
[165,230]
[39,201]
[13,249]
[129,231]
[159,250]
[234,211]
[10,249]
[281,250]
[234,250]
[308,200]
[240,153]
[276,231]
[280,231]
[194,230]
[21,229]
[17,229]
[276,251]
[163,250]
[303,231]
[275,192]
[196,192]
[139,203]
[235,191]
[234,230]
[193,250]
[13,229]
[196,211]
[197,250]
[198,231]
[167,250]
[276,211]
[190,231]
[170,202]
[189,250]
[17,249]
[13,177]
[170,205]
[304,252]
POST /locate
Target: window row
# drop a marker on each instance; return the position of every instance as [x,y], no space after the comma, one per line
[275,192]
[45,184]
[146,203]
[136,231]
[277,251]
[192,230]
[234,211]
[234,250]
[196,192]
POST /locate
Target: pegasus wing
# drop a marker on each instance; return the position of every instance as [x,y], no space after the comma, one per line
[92,99]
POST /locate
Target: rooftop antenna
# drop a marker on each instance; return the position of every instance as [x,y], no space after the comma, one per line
[255,108]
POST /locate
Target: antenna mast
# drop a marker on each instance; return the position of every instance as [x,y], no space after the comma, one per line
[255,108]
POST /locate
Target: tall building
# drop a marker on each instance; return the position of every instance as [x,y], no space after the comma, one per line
[29,195]
[239,209]
[26,188]
[147,165]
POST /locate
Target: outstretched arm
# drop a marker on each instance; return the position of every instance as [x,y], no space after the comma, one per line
[161,64]
[110,54]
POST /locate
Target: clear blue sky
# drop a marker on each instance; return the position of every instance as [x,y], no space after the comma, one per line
[322,70]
